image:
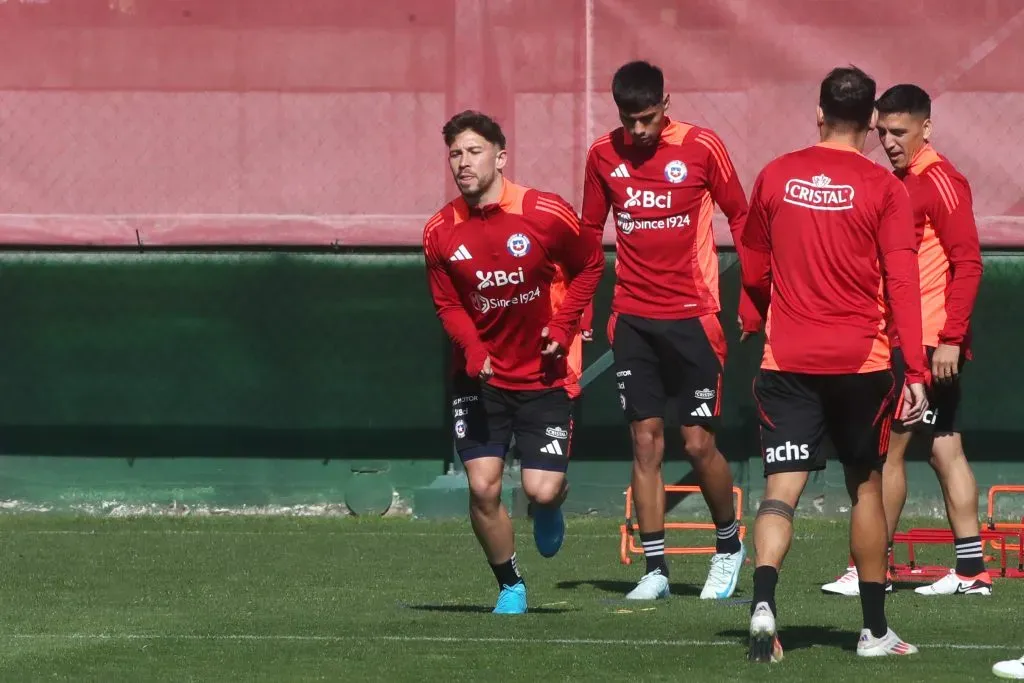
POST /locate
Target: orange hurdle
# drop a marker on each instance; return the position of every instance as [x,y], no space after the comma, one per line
[997,545]
[627,541]
[1002,538]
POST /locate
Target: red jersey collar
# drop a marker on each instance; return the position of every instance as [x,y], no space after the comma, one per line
[505,202]
[838,146]
[925,157]
[667,131]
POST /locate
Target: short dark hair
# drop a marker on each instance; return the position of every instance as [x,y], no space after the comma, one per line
[905,98]
[478,122]
[847,98]
[637,86]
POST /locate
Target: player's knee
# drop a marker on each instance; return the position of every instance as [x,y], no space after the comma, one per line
[648,442]
[485,492]
[699,444]
[544,491]
[947,458]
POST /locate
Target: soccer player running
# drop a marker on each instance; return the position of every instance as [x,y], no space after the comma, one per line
[498,259]
[949,258]
[662,178]
[828,232]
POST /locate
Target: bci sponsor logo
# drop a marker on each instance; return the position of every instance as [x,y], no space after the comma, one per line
[499,278]
[647,199]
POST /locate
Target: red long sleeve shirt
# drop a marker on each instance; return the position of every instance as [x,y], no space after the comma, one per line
[949,255]
[498,276]
[828,234]
[663,200]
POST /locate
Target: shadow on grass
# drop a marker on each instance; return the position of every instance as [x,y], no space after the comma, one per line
[481,609]
[623,587]
[801,637]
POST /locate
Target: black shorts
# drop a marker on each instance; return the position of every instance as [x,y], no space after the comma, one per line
[797,410]
[656,360]
[943,414]
[485,418]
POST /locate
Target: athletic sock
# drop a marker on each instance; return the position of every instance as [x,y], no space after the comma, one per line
[765,580]
[969,558]
[654,551]
[507,573]
[727,537]
[872,604]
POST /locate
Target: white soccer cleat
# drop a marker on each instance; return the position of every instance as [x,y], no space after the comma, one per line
[849,584]
[765,646]
[889,644]
[1011,668]
[653,586]
[723,575]
[954,584]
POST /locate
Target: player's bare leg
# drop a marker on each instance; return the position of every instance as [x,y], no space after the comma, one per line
[868,530]
[894,479]
[648,485]
[773,535]
[715,479]
[960,493]
[712,470]
[546,490]
[493,528]
[894,497]
[869,546]
[649,499]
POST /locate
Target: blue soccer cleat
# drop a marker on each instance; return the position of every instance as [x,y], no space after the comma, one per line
[725,572]
[511,600]
[548,530]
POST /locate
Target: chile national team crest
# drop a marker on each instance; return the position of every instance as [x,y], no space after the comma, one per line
[518,245]
[675,171]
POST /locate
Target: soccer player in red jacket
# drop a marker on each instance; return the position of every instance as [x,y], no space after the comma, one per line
[829,236]
[949,259]
[662,179]
[510,273]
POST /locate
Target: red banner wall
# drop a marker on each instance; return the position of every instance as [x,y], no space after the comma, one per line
[314,122]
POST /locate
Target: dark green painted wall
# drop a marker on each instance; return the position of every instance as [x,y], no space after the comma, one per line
[331,357]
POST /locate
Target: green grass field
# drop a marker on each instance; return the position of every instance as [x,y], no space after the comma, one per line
[258,599]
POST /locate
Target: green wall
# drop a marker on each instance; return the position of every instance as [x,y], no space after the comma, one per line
[287,376]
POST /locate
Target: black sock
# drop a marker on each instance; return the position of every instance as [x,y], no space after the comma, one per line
[654,551]
[872,604]
[727,537]
[765,579]
[507,573]
[969,559]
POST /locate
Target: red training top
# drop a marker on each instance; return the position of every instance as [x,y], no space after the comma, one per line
[498,275]
[828,234]
[663,199]
[949,253]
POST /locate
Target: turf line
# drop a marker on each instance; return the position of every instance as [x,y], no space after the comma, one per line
[429,639]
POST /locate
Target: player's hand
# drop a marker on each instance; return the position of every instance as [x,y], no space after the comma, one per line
[549,346]
[745,331]
[915,403]
[945,362]
[486,373]
[587,335]
[744,335]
